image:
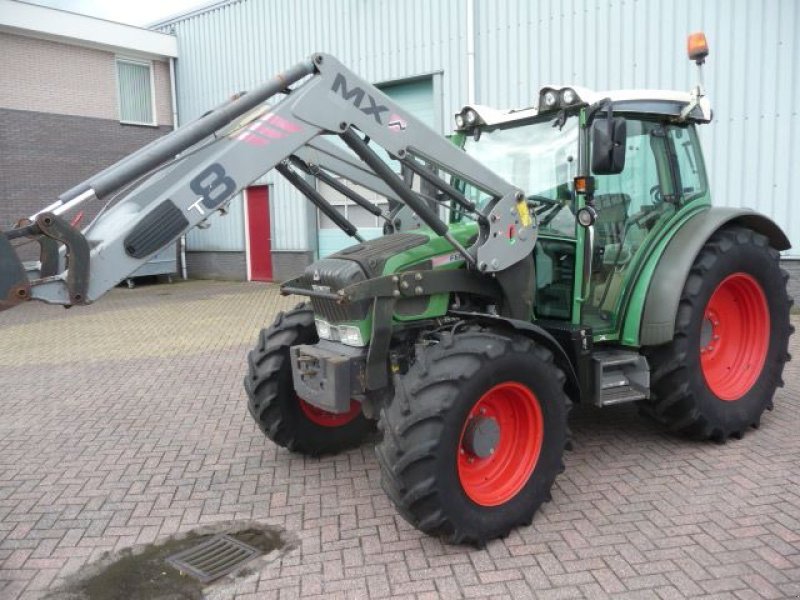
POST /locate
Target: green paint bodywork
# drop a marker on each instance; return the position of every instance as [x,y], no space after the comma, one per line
[436,246]
[622,330]
[405,261]
[635,291]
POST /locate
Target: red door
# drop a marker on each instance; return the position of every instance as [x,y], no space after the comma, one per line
[259,239]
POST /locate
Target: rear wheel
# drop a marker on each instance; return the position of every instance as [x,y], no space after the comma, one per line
[721,370]
[280,413]
[475,435]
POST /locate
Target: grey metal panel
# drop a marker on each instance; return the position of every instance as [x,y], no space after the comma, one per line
[752,76]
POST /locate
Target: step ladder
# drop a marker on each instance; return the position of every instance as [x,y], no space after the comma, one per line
[620,376]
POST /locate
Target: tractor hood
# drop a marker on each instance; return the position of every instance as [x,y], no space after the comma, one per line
[394,253]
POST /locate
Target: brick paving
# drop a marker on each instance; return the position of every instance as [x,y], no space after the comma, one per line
[125,423]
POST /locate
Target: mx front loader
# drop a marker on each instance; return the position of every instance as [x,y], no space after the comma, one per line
[562,253]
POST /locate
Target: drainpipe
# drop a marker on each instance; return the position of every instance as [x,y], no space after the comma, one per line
[174,97]
[470,51]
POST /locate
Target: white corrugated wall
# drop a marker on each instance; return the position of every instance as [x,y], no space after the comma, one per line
[752,75]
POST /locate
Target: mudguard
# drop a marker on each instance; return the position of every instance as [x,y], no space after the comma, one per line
[664,293]
[539,335]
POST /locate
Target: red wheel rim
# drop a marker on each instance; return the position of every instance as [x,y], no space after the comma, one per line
[323,418]
[497,478]
[734,337]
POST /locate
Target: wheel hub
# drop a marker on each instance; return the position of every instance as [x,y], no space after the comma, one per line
[481,436]
[734,336]
[500,444]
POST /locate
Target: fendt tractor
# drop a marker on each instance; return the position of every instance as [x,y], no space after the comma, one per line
[567,252]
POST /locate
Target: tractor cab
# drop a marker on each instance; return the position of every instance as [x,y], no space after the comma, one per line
[606,174]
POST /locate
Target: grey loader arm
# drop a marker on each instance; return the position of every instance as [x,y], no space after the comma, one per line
[176,182]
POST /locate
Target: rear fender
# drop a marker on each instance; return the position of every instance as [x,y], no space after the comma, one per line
[657,316]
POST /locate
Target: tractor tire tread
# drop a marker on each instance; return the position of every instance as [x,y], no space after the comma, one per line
[673,403]
[411,437]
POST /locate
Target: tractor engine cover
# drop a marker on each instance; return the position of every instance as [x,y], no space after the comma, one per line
[351,265]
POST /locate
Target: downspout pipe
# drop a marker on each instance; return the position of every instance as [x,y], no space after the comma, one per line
[174,97]
[470,51]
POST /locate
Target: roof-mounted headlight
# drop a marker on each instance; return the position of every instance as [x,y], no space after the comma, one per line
[549,100]
[554,99]
[468,118]
[568,97]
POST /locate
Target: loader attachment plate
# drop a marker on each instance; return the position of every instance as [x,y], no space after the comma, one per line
[14,285]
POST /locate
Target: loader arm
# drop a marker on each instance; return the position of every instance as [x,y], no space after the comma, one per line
[161,196]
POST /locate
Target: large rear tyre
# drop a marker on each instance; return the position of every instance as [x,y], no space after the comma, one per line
[280,413]
[720,371]
[475,435]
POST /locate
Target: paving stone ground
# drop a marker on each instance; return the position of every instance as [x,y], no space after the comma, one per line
[125,422]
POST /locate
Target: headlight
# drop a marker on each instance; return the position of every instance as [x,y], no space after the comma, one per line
[323,329]
[471,117]
[460,121]
[568,96]
[550,99]
[350,335]
[587,216]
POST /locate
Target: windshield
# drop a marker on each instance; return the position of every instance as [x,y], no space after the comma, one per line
[541,159]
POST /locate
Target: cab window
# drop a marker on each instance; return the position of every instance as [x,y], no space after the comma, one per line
[689,159]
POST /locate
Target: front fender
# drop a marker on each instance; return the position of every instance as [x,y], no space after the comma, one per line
[657,318]
[539,335]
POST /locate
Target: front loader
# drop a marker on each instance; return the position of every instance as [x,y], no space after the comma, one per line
[562,253]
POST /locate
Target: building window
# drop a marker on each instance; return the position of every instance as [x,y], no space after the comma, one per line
[136,92]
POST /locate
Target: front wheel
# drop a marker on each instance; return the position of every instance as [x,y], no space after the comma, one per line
[280,413]
[475,435]
[720,371]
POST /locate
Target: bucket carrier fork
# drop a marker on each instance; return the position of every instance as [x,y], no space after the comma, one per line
[156,194]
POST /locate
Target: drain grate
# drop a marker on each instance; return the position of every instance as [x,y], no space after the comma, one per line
[213,558]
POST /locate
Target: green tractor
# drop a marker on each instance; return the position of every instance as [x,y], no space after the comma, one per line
[563,253]
[637,290]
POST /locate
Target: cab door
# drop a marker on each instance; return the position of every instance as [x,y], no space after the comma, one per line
[631,207]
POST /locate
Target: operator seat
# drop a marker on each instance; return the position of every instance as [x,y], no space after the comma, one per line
[612,218]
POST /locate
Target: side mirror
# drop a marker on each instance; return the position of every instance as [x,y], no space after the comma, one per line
[608,145]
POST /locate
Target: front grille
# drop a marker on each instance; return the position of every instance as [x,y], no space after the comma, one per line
[333,274]
[333,312]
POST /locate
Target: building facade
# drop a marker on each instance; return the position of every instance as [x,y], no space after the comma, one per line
[76,95]
[434,56]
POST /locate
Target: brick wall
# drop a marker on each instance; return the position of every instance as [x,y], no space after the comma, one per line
[44,76]
[43,155]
